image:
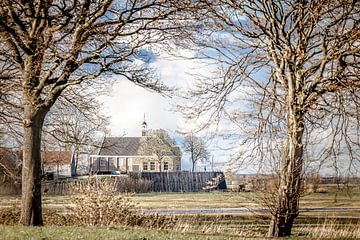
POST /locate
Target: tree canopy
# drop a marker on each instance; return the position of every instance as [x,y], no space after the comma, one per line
[287,78]
[48,47]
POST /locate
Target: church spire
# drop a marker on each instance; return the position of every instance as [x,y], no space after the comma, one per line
[144,128]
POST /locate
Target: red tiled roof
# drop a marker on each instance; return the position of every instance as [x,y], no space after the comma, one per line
[7,152]
[56,157]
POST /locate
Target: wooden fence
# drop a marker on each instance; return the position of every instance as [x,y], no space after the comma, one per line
[177,181]
[122,183]
[136,182]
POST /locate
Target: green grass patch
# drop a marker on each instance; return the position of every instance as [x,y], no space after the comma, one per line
[73,233]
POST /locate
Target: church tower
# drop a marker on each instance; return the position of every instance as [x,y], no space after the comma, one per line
[144,128]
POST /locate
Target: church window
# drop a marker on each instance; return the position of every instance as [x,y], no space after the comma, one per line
[166,166]
[152,166]
[145,166]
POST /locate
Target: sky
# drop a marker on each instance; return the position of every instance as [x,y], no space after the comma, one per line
[128,103]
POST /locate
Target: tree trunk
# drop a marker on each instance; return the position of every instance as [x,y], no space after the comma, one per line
[74,162]
[286,208]
[287,205]
[193,162]
[31,213]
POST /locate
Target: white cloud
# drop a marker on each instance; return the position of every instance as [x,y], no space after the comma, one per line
[127,103]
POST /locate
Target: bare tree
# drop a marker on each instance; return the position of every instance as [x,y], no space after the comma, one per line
[288,79]
[196,148]
[10,165]
[75,126]
[10,110]
[51,46]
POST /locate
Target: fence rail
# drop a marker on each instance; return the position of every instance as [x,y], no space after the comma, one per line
[133,182]
[177,181]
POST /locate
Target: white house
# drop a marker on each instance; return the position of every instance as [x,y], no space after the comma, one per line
[123,154]
[60,163]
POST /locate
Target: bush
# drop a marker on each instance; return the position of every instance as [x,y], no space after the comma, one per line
[11,216]
[97,202]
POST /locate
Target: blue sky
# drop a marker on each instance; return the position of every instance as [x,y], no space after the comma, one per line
[128,103]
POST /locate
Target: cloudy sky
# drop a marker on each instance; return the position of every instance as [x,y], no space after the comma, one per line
[128,103]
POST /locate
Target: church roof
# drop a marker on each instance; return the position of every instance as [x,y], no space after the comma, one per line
[129,146]
[56,157]
[120,146]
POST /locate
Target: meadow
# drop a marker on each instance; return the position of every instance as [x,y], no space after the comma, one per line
[341,222]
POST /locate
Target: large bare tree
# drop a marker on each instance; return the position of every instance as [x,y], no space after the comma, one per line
[288,78]
[48,46]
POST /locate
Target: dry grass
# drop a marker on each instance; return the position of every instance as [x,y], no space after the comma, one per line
[194,200]
[331,229]
[219,225]
[98,203]
[200,200]
[11,216]
[96,233]
[338,198]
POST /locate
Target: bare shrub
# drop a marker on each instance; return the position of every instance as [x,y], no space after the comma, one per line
[10,188]
[312,183]
[97,202]
[10,166]
[11,216]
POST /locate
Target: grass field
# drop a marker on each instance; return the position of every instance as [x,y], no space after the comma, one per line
[205,226]
[239,200]
[330,230]
[108,233]
[193,200]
